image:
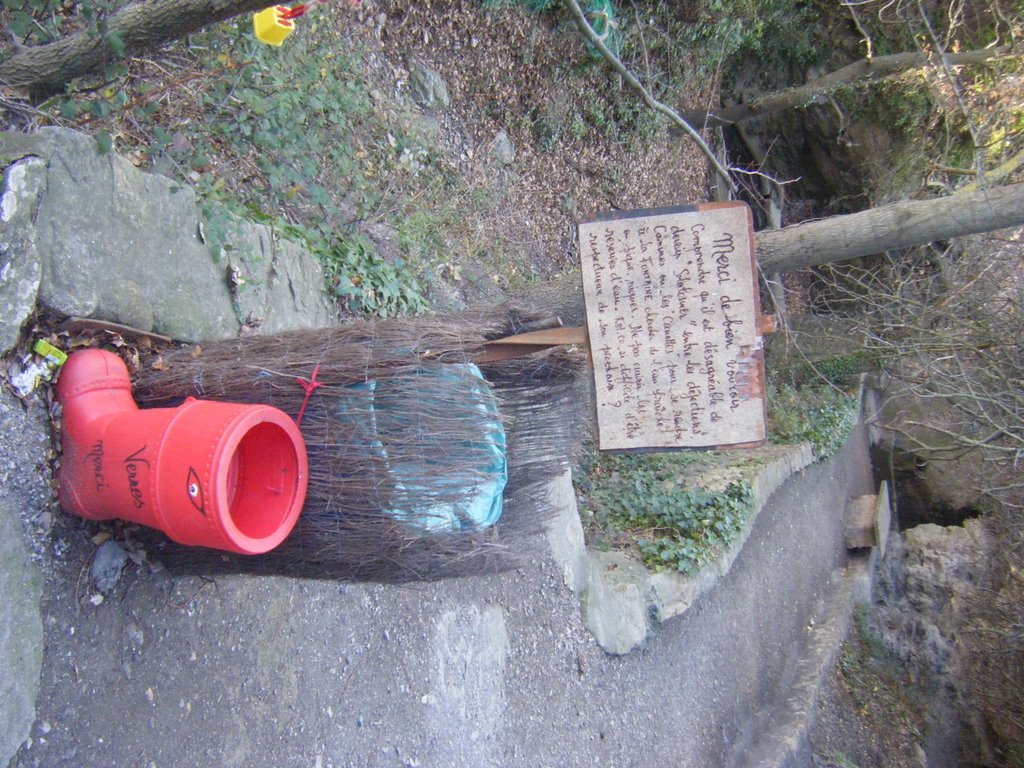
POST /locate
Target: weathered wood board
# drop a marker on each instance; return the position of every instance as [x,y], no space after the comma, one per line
[868,519]
[672,318]
[883,518]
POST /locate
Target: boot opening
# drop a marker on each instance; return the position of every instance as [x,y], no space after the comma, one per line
[263,481]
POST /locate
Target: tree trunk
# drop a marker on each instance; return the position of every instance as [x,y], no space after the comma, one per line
[861,71]
[838,238]
[45,69]
[890,227]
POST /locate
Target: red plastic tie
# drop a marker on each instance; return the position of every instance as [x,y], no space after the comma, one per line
[309,387]
[294,12]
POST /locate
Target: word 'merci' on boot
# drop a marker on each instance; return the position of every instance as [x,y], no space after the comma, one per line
[221,475]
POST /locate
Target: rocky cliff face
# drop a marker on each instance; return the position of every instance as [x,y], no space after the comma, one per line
[926,587]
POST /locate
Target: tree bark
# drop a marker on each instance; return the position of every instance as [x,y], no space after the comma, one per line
[861,71]
[45,69]
[890,227]
[838,238]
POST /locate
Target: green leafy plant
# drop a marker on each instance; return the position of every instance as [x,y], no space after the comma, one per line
[360,280]
[365,283]
[820,413]
[841,370]
[639,500]
[35,22]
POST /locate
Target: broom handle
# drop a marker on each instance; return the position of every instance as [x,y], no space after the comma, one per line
[523,344]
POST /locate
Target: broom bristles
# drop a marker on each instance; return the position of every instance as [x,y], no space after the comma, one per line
[421,437]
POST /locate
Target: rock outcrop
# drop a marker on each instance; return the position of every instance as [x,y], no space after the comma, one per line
[86,234]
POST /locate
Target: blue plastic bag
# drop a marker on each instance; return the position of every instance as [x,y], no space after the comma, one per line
[421,481]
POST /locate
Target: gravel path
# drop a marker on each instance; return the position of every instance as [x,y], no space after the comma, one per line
[494,671]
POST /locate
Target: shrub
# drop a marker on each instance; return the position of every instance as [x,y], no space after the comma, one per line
[821,414]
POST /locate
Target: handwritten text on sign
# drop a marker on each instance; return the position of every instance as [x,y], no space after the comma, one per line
[672,321]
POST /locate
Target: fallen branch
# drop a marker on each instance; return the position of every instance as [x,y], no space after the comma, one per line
[45,69]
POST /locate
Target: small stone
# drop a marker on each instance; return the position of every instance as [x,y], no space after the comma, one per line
[106,566]
[504,149]
[135,635]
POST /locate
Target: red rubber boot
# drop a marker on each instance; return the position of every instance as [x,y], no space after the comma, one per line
[220,475]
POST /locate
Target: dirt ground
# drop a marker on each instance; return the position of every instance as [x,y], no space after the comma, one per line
[867,715]
[510,70]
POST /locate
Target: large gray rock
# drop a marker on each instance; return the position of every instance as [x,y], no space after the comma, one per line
[504,149]
[927,583]
[615,603]
[20,269]
[937,572]
[281,286]
[123,245]
[119,244]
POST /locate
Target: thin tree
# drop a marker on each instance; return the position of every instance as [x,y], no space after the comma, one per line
[46,69]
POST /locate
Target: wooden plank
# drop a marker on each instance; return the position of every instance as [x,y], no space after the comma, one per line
[528,343]
[860,522]
[550,336]
[883,518]
[674,321]
[495,353]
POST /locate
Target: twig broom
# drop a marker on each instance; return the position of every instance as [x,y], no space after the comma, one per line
[403,437]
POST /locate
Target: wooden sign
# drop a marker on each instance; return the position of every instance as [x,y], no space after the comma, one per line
[672,320]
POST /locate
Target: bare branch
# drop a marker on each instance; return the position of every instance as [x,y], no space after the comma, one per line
[852,7]
[595,40]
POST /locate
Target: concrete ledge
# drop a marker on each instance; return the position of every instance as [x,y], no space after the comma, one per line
[565,533]
[622,601]
[784,735]
[21,632]
[25,514]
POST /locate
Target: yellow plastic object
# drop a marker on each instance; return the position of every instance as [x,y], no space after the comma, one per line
[270,27]
[54,356]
